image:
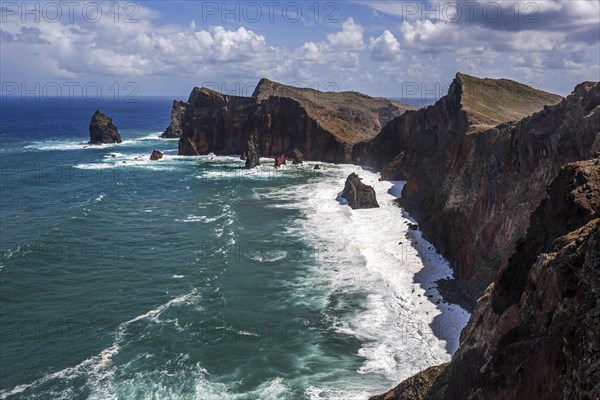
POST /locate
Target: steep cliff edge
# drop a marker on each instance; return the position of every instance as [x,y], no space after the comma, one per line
[321,125]
[482,183]
[534,333]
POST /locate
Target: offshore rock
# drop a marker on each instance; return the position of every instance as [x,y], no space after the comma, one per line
[296,156]
[156,155]
[102,130]
[279,160]
[357,194]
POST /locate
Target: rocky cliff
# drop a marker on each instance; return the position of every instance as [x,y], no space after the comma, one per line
[534,334]
[479,182]
[322,126]
[102,130]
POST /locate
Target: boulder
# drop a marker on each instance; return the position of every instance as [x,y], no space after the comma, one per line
[412,226]
[358,194]
[279,160]
[156,155]
[296,156]
[102,130]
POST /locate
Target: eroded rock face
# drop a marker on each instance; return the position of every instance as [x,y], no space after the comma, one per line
[216,123]
[156,155]
[102,130]
[357,194]
[319,125]
[174,130]
[535,332]
[483,182]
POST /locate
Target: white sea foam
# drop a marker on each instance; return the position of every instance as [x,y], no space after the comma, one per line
[74,144]
[98,368]
[403,330]
[54,145]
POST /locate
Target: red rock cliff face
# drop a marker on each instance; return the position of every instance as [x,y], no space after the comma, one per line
[323,126]
[473,187]
[534,334]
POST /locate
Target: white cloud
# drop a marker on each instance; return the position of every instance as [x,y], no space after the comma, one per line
[341,50]
[385,47]
[349,38]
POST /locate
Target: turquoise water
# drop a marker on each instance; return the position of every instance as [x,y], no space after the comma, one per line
[191,277]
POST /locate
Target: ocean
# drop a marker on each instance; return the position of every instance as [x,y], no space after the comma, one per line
[193,278]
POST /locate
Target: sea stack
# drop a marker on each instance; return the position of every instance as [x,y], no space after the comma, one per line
[102,130]
[358,194]
[253,152]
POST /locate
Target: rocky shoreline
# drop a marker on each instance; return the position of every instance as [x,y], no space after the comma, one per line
[534,333]
[480,165]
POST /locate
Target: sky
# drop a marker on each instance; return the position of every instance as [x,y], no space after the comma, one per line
[399,49]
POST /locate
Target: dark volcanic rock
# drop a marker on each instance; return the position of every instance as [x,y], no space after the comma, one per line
[177,114]
[416,387]
[279,160]
[296,156]
[483,181]
[156,155]
[535,333]
[216,123]
[317,166]
[358,194]
[320,126]
[102,130]
[253,151]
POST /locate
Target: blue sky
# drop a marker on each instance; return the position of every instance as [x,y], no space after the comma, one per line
[383,48]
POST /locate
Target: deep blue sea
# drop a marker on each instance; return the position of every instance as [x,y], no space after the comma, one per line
[193,278]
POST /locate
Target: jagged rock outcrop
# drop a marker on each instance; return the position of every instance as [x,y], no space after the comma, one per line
[174,130]
[102,130]
[156,155]
[535,332]
[358,194]
[320,125]
[252,151]
[482,182]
